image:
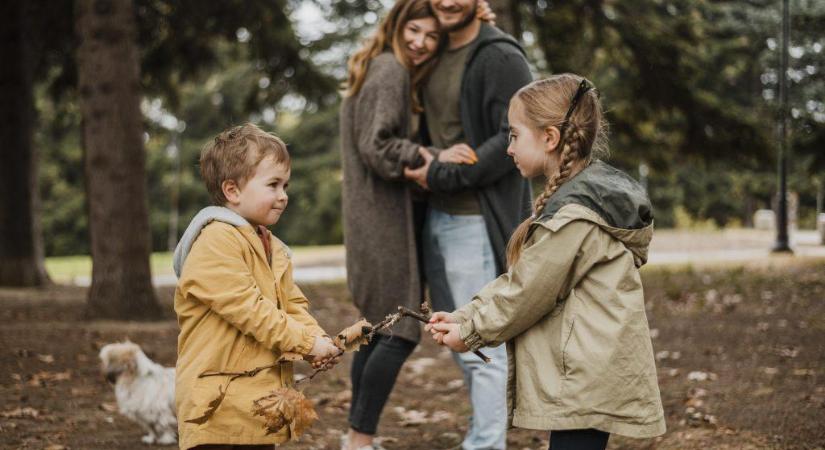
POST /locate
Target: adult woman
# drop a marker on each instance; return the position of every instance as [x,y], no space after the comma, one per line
[381,96]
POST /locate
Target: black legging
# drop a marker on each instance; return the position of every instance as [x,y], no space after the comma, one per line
[588,439]
[374,370]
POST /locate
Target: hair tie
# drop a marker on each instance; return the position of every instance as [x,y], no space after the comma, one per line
[584,86]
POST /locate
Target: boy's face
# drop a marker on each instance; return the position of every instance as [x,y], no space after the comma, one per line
[263,198]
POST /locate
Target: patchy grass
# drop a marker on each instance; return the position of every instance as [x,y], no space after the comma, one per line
[756,335]
[64,269]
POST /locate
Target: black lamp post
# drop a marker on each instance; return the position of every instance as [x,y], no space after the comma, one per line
[781,244]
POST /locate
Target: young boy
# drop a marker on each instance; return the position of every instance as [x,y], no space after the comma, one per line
[237,305]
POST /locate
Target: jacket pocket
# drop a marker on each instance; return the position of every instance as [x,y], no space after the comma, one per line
[565,357]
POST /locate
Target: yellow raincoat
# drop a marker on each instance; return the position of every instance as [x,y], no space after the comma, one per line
[236,312]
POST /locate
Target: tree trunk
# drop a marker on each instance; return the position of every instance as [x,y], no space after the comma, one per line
[21,244]
[114,163]
[507,16]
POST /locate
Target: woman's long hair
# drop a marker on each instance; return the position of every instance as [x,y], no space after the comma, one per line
[390,34]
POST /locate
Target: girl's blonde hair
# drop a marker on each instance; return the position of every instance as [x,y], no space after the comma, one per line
[545,103]
[390,34]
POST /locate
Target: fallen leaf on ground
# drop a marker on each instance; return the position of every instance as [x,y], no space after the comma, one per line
[411,417]
[20,413]
[108,407]
[40,378]
[698,375]
[48,359]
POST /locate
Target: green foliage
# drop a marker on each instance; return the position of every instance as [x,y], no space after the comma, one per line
[690,87]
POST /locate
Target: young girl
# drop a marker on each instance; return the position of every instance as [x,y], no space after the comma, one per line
[571,306]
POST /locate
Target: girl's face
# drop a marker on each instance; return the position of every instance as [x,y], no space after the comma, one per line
[420,39]
[533,150]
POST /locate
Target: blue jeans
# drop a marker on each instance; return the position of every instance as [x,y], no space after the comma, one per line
[458,262]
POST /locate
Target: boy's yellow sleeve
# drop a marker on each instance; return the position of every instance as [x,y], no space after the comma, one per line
[297,305]
[215,274]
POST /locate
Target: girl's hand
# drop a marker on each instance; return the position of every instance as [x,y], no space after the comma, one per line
[485,13]
[440,317]
[447,334]
[458,154]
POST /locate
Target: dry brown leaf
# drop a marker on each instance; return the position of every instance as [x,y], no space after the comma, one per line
[108,407]
[40,378]
[213,405]
[285,407]
[350,339]
[20,413]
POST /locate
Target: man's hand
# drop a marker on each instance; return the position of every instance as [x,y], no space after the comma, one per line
[447,334]
[419,175]
[458,154]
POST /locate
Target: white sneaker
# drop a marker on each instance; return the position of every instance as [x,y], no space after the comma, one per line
[345,444]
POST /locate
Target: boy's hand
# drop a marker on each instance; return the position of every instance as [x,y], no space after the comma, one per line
[447,334]
[324,353]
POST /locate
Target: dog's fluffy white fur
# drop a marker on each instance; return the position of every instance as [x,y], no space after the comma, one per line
[145,390]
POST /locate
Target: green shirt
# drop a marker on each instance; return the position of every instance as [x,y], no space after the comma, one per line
[442,95]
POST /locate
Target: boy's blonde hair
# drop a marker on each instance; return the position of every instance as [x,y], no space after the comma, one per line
[545,103]
[234,154]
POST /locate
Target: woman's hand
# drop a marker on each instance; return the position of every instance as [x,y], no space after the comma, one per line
[448,334]
[419,175]
[485,13]
[458,154]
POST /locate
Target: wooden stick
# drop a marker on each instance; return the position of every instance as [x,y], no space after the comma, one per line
[426,319]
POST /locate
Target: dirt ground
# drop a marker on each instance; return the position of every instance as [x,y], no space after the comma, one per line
[741,360]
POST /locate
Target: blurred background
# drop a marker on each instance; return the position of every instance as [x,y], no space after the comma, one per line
[691,87]
[105,105]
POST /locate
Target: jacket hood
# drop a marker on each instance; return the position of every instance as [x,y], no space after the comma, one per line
[616,202]
[202,219]
[487,36]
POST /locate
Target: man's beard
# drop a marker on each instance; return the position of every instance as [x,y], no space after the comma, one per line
[465,21]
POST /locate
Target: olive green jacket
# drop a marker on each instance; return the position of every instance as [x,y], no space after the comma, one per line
[572,313]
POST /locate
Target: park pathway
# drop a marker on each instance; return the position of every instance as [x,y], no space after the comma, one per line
[669,247]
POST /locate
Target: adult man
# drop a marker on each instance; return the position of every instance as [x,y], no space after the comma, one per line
[473,209]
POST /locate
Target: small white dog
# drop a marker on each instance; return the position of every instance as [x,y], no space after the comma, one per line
[145,390]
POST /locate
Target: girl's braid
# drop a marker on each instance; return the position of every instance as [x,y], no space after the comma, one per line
[571,151]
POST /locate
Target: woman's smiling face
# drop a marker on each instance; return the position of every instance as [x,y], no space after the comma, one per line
[420,39]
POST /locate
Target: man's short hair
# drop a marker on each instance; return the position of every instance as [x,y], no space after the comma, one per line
[234,154]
